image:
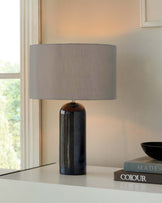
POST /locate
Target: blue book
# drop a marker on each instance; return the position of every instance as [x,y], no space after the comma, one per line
[143,164]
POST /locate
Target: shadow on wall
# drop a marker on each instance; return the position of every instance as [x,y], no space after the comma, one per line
[136,115]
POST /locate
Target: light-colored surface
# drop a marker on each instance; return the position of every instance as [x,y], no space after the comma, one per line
[5,171]
[151,15]
[115,128]
[45,184]
[154,8]
[99,177]
[30,109]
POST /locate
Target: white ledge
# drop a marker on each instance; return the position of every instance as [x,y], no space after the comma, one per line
[97,186]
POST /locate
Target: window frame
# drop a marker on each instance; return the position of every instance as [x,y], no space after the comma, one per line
[30,33]
[30,133]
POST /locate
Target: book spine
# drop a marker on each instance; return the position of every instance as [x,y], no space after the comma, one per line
[137,177]
[143,167]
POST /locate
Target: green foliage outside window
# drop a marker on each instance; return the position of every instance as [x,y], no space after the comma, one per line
[9,120]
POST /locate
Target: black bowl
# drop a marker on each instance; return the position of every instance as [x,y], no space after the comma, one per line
[153,149]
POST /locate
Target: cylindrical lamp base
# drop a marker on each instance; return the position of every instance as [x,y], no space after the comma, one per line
[72,139]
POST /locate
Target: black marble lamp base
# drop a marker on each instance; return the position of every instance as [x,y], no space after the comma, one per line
[72,139]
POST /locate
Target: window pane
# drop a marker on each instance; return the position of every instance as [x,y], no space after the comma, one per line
[10,123]
[9,36]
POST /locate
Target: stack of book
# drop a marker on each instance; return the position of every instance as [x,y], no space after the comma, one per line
[141,170]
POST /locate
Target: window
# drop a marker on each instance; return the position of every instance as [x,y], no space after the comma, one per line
[10,155]
[19,116]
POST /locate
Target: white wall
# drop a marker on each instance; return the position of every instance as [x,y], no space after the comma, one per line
[115,128]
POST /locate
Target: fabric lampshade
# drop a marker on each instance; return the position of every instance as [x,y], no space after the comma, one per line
[73,71]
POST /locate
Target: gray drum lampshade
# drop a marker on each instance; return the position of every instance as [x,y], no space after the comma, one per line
[73,71]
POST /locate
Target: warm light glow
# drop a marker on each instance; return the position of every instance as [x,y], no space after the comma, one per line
[90,19]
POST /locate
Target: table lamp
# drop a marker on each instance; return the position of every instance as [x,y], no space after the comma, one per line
[73,72]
